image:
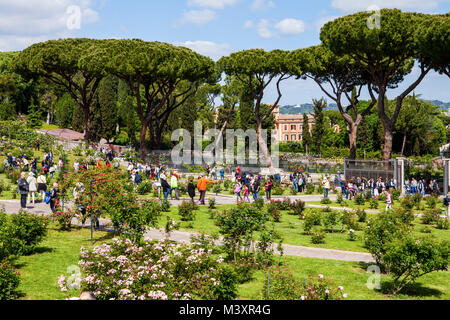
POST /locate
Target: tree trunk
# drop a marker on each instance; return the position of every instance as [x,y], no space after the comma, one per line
[87,127]
[263,145]
[404,143]
[388,138]
[353,136]
[142,146]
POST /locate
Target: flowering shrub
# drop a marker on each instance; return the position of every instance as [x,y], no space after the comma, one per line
[187,210]
[63,218]
[381,231]
[274,212]
[21,233]
[312,219]
[409,258]
[133,216]
[432,201]
[443,224]
[9,281]
[408,203]
[160,270]
[351,235]
[317,237]
[284,286]
[330,220]
[430,216]
[113,193]
[297,208]
[238,225]
[212,203]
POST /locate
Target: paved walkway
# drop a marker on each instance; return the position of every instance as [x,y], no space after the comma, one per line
[12,207]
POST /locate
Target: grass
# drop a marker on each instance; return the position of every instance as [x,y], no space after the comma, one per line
[353,277]
[60,250]
[39,272]
[350,204]
[291,229]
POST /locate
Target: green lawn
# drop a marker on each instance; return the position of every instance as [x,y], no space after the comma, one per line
[381,205]
[291,229]
[353,277]
[60,250]
[39,272]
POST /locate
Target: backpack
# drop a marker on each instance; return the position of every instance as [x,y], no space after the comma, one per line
[47,197]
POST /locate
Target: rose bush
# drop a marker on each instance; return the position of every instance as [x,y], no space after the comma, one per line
[160,270]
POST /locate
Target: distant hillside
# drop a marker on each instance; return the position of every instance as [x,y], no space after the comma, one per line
[309,108]
[304,108]
[440,104]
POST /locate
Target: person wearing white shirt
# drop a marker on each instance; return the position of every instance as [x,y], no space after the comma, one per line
[32,188]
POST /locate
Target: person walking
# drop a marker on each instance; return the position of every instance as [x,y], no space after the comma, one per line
[326,186]
[222,174]
[54,197]
[80,201]
[246,193]
[269,186]
[32,187]
[256,188]
[237,191]
[201,186]
[164,185]
[22,189]
[447,204]
[191,190]
[174,186]
[389,201]
[41,186]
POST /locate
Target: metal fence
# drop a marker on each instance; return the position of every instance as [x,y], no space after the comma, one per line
[371,169]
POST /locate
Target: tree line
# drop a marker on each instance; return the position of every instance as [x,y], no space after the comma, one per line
[153,86]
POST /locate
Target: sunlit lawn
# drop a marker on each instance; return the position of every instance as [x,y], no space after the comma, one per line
[291,229]
[60,250]
[353,277]
[39,272]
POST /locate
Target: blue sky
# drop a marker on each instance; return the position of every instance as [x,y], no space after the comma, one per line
[211,27]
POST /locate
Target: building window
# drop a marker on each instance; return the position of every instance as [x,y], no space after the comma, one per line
[286,137]
[293,127]
[301,128]
[300,137]
[294,137]
[285,128]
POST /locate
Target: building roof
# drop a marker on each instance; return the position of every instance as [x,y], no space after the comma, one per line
[64,134]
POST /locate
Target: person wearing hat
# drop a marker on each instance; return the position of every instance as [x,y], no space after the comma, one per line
[174,186]
[32,187]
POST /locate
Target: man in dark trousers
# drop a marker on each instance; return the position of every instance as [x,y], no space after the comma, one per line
[23,190]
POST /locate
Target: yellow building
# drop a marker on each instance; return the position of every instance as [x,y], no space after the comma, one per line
[290,127]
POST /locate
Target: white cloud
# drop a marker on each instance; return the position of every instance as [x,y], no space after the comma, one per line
[352,5]
[212,4]
[208,48]
[259,5]
[288,27]
[264,29]
[199,17]
[248,24]
[24,22]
